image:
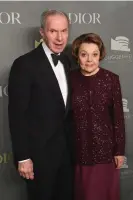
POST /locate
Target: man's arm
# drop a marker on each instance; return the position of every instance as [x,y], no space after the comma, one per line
[19,87]
[19,90]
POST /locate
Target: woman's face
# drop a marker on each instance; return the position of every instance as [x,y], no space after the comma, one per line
[88,57]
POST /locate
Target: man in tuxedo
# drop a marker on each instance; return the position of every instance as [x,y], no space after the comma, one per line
[39,119]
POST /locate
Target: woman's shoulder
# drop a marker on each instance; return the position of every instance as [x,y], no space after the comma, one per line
[109,73]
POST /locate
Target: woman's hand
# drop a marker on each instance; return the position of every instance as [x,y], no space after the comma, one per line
[119,160]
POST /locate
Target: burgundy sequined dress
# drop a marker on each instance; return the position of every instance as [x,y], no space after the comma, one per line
[99,134]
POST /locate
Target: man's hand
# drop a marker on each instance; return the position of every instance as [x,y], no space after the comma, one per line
[25,169]
[119,160]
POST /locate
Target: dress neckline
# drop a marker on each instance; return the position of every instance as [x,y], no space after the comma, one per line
[92,76]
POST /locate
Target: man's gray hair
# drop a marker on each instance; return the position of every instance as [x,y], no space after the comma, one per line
[47,13]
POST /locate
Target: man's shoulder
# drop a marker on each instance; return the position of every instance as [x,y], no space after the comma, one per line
[25,61]
[27,56]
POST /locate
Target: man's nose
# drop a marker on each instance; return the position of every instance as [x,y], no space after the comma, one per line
[59,36]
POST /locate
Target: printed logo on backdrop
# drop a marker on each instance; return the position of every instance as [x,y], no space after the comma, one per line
[125,105]
[37,43]
[10,18]
[120,43]
[127,112]
[125,164]
[5,158]
[84,18]
[120,48]
[126,172]
[3,91]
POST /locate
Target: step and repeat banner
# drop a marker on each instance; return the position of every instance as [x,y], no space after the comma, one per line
[19,33]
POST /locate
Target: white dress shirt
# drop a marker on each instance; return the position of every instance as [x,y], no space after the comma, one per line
[60,75]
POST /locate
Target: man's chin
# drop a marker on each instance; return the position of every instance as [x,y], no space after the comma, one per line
[58,51]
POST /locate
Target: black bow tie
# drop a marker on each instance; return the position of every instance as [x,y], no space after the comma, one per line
[55,58]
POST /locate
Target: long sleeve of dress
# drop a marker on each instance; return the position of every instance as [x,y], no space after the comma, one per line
[118,117]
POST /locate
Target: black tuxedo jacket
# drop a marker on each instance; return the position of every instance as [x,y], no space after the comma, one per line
[38,119]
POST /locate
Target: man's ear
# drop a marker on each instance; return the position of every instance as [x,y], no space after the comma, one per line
[41,32]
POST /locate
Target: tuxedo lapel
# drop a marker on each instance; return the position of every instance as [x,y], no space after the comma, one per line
[46,67]
[66,68]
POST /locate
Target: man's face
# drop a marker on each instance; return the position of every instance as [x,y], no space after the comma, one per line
[55,33]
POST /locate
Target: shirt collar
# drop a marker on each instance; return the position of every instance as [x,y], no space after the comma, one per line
[47,50]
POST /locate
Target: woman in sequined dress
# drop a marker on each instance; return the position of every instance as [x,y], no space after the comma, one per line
[99,123]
